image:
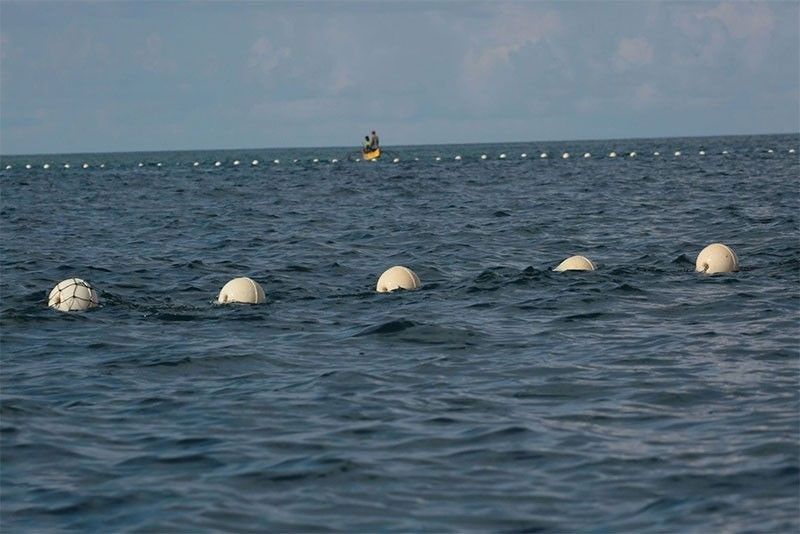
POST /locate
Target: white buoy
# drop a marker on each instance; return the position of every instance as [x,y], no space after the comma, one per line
[66,165]
[702,152]
[28,165]
[565,155]
[416,159]
[196,164]
[502,156]
[717,258]
[587,155]
[770,151]
[791,151]
[396,160]
[543,155]
[46,166]
[8,167]
[612,155]
[656,153]
[73,294]
[437,158]
[276,161]
[677,153]
[398,277]
[242,290]
[724,152]
[295,160]
[140,164]
[315,160]
[85,165]
[458,158]
[483,156]
[575,263]
[158,164]
[358,159]
[217,163]
[254,162]
[102,165]
[632,155]
[523,155]
[334,160]
[236,162]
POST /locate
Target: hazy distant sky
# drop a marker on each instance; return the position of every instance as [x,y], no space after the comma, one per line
[117,76]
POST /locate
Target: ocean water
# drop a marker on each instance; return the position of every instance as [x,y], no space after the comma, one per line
[501,396]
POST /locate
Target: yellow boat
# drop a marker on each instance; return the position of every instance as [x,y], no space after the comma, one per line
[370,155]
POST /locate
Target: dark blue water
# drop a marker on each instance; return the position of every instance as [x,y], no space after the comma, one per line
[500,397]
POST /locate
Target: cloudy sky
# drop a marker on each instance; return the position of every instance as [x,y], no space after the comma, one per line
[118,76]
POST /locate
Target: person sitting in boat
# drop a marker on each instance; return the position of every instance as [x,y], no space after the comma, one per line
[374,141]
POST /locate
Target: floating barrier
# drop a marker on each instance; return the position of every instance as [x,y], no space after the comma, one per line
[73,294]
[242,290]
[457,157]
[397,277]
[717,258]
[575,263]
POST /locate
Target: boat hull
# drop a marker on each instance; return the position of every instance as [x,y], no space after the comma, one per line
[371,154]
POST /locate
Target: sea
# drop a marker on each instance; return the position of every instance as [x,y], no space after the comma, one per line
[499,397]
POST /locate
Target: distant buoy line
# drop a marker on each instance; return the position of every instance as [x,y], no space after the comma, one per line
[502,156]
[75,294]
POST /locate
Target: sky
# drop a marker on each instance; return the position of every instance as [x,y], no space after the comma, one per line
[109,76]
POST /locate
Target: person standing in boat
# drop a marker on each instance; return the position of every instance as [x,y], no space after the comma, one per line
[367,144]
[374,141]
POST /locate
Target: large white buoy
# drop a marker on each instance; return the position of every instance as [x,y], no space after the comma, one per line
[656,153]
[502,156]
[158,164]
[483,156]
[587,155]
[575,263]
[437,158]
[254,162]
[236,162]
[458,158]
[28,166]
[523,155]
[770,151]
[543,155]
[612,155]
[791,151]
[85,165]
[717,258]
[243,290]
[334,160]
[725,152]
[677,153]
[276,161]
[140,164]
[565,155]
[46,166]
[398,277]
[315,160]
[73,294]
[8,167]
[196,164]
[217,163]
[396,160]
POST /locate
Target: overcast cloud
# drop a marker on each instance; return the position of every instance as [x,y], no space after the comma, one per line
[107,76]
